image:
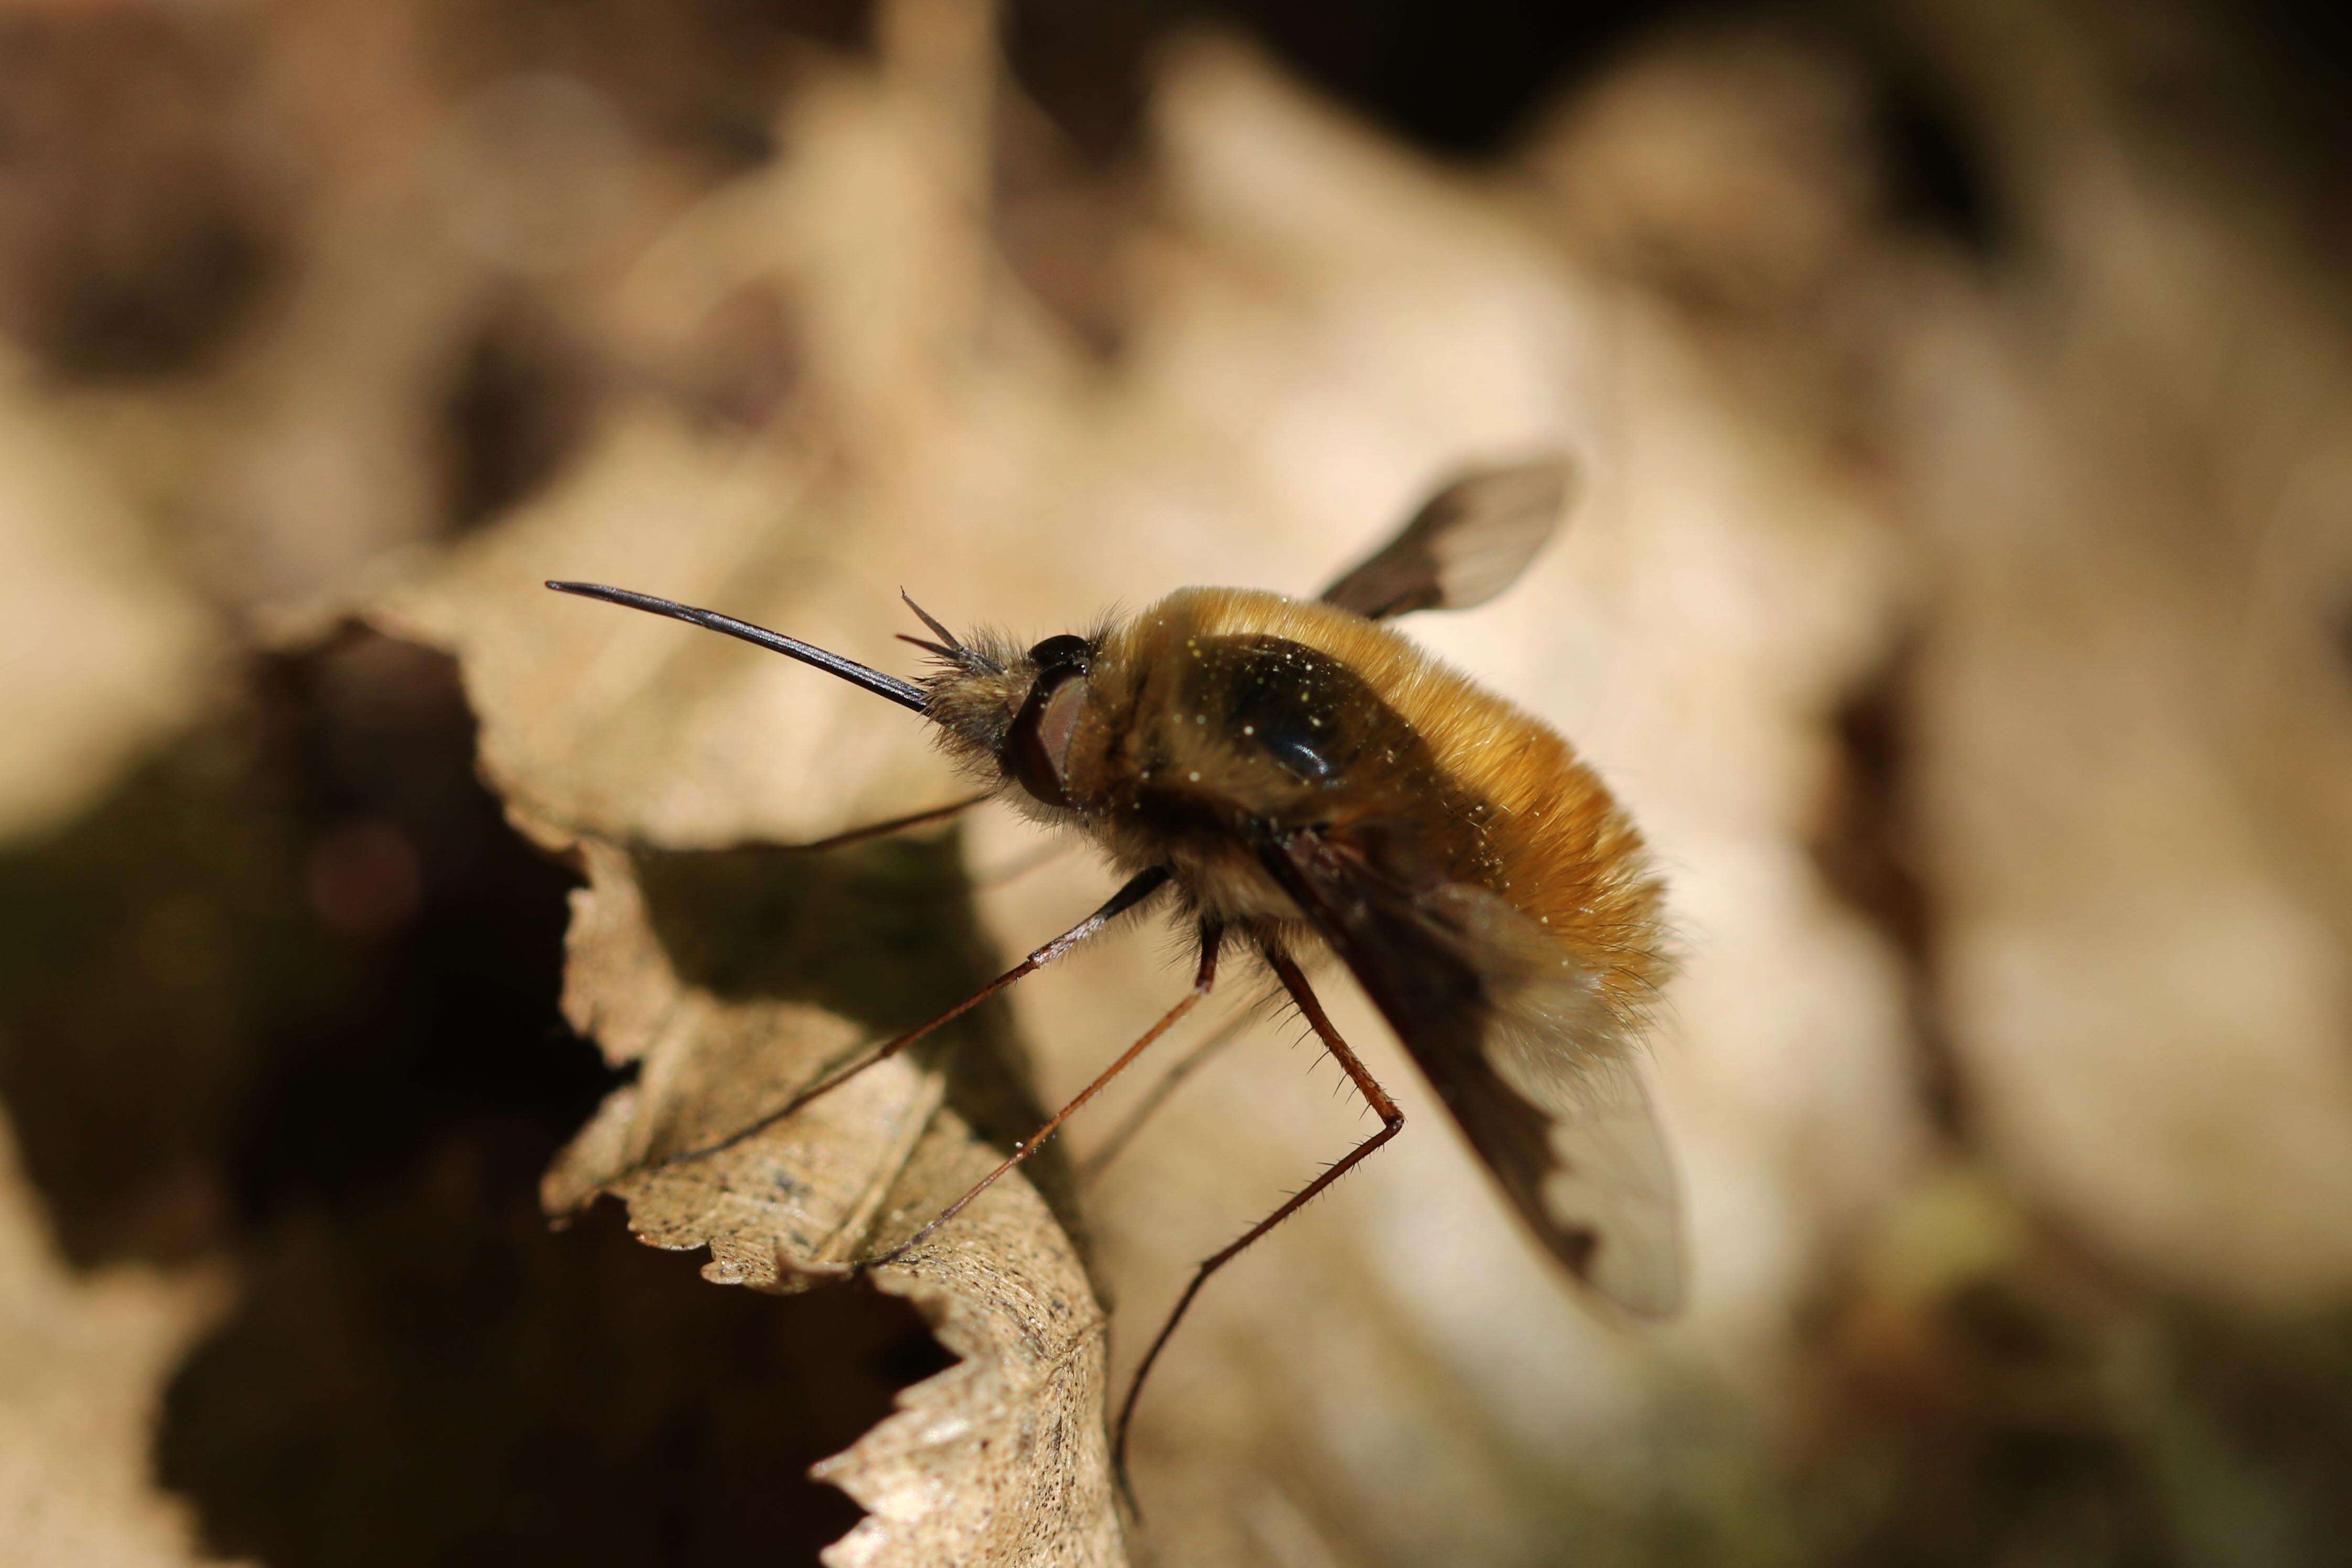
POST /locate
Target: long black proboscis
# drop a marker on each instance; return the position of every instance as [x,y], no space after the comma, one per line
[905,693]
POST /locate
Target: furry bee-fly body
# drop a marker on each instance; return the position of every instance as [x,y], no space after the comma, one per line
[1301,778]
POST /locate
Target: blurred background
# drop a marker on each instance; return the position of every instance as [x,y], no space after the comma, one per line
[1960,597]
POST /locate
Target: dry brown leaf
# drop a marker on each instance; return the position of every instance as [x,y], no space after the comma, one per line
[1000,1459]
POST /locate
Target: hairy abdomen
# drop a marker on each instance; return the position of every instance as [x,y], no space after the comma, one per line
[1240,711]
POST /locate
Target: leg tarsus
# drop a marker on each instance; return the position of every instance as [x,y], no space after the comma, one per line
[1160,1093]
[892,824]
[1206,977]
[1392,1122]
[1136,888]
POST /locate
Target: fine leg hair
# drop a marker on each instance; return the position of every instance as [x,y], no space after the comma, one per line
[1286,969]
[1138,887]
[894,824]
[1210,939]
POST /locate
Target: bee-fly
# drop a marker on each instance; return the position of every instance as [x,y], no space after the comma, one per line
[1295,776]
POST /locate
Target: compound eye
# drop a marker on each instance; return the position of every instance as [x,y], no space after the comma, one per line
[1039,750]
[1063,652]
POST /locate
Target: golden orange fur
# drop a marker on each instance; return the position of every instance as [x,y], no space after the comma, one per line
[1557,847]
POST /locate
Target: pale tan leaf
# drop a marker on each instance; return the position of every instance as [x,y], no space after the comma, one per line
[1000,1459]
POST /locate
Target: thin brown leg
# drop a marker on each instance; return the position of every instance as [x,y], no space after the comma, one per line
[1023,863]
[1207,976]
[1160,1093]
[894,824]
[1391,1119]
[1139,887]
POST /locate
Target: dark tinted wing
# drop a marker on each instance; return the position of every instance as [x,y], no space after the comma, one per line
[1468,542]
[1539,1070]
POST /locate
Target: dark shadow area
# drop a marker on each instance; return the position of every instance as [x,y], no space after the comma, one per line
[883,933]
[452,1024]
[440,1378]
[1465,82]
[288,997]
[1867,849]
[281,961]
[135,235]
[521,403]
[1938,176]
[2018,1459]
[2033,1417]
[1459,78]
[2287,73]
